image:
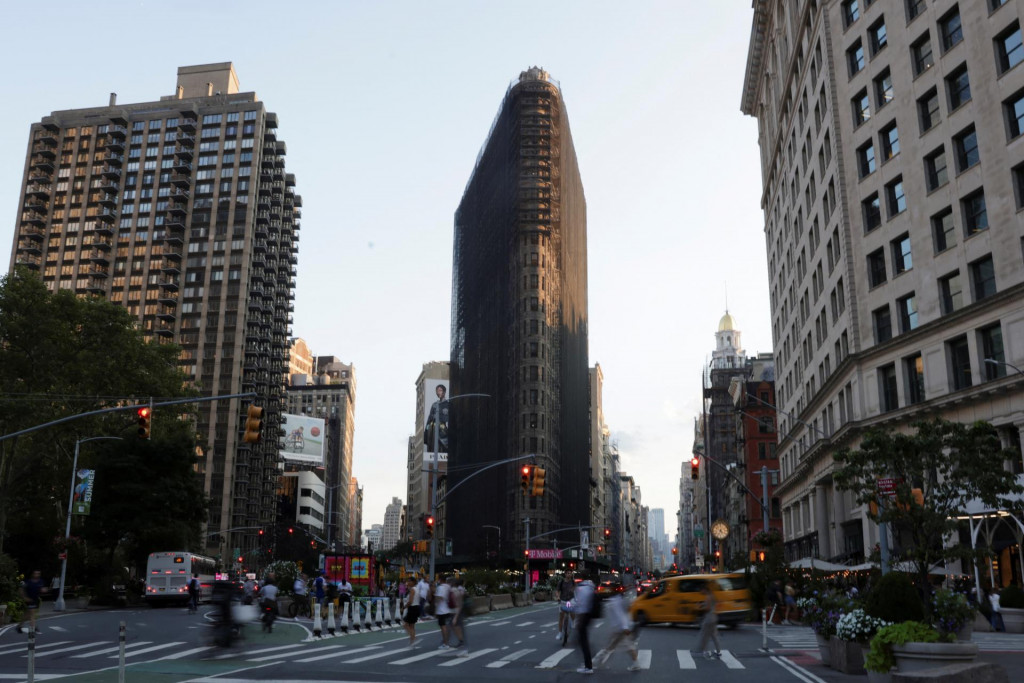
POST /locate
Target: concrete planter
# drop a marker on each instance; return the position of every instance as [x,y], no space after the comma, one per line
[1013,619]
[920,656]
[824,649]
[879,677]
[847,656]
[965,633]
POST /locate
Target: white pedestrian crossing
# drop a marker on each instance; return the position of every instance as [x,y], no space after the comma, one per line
[146,650]
[552,661]
[419,658]
[23,647]
[730,661]
[186,653]
[643,658]
[71,648]
[504,661]
[524,623]
[463,658]
[108,650]
[685,658]
[379,655]
[332,651]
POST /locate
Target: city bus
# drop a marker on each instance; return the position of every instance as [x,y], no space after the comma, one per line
[168,573]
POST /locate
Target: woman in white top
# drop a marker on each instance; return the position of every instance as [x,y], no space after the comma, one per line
[622,631]
[412,610]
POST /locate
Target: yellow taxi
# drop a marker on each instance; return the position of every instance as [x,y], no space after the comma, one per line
[678,600]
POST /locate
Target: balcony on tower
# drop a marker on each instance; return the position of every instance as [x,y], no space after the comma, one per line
[111,171]
[44,149]
[34,261]
[30,246]
[107,199]
[113,143]
[188,122]
[39,190]
[180,179]
[167,312]
[95,270]
[111,158]
[96,285]
[96,256]
[117,131]
[168,282]
[107,214]
[41,162]
[164,327]
[183,151]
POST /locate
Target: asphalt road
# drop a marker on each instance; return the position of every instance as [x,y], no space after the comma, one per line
[169,645]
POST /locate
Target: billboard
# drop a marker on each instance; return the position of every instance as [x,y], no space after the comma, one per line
[302,439]
[435,419]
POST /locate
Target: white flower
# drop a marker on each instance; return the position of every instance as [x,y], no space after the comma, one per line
[857,625]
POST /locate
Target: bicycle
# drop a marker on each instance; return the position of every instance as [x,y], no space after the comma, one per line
[300,608]
[567,623]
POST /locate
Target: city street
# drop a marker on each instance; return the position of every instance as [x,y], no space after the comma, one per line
[170,645]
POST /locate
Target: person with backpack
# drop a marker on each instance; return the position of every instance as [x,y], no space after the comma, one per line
[193,593]
[319,590]
[588,607]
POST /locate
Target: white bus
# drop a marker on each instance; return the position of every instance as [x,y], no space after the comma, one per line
[168,573]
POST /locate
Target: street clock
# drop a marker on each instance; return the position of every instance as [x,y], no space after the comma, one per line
[720,529]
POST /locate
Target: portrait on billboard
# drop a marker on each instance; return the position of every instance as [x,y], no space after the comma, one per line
[435,423]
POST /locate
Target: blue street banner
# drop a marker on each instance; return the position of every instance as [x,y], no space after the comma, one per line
[82,499]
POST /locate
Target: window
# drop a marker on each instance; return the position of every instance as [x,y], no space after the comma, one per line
[861,108]
[966,146]
[1014,109]
[876,268]
[855,58]
[913,372]
[883,89]
[888,397]
[896,202]
[958,85]
[901,259]
[1009,49]
[959,359]
[907,308]
[993,359]
[866,159]
[996,4]
[935,169]
[928,110]
[951,30]
[951,293]
[1018,185]
[983,278]
[882,319]
[872,213]
[878,37]
[851,12]
[921,55]
[914,9]
[975,213]
[890,138]
[942,230]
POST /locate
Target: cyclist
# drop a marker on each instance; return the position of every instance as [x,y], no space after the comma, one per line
[566,588]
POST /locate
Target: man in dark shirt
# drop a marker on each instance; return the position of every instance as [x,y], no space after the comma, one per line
[32,590]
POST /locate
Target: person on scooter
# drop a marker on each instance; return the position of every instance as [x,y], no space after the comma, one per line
[268,603]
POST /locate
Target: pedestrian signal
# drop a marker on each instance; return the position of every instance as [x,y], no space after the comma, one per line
[145,415]
[253,424]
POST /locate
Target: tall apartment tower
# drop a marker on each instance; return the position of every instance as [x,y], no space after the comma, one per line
[519,325]
[893,178]
[181,211]
[392,524]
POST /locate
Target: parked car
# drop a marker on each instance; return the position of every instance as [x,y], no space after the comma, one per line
[678,600]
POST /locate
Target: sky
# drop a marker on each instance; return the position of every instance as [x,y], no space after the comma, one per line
[384,106]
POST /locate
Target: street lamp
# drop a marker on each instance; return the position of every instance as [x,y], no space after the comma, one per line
[993,361]
[58,605]
[433,483]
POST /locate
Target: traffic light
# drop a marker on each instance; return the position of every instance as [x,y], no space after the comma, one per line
[241,559]
[695,467]
[145,415]
[538,481]
[253,424]
[760,556]
[607,532]
[291,530]
[525,479]
[429,521]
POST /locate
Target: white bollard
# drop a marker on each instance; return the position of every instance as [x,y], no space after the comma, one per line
[346,615]
[380,613]
[367,617]
[357,616]
[764,630]
[330,618]
[387,613]
[31,653]
[120,657]
[318,625]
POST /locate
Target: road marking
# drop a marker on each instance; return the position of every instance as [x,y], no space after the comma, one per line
[465,658]
[335,654]
[277,655]
[501,623]
[367,658]
[553,623]
[644,658]
[69,649]
[108,650]
[525,623]
[235,655]
[186,653]
[509,658]
[419,658]
[149,649]
[797,671]
[39,646]
[554,659]
[731,661]
[39,677]
[685,659]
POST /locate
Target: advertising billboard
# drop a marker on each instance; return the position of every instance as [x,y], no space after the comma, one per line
[303,439]
[435,419]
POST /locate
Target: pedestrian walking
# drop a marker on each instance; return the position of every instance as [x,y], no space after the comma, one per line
[789,595]
[459,614]
[32,590]
[443,611]
[424,589]
[319,589]
[412,610]
[623,632]
[586,606]
[709,624]
[193,593]
[997,611]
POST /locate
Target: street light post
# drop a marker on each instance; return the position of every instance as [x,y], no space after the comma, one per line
[58,605]
[993,361]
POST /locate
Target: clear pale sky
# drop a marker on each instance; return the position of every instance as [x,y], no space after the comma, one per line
[384,106]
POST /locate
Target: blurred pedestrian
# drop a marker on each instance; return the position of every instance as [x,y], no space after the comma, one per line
[997,611]
[412,610]
[709,624]
[32,590]
[586,606]
[622,632]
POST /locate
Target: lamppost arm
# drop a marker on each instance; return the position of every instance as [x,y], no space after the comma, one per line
[993,361]
[482,469]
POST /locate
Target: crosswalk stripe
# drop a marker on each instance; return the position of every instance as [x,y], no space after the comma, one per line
[500,623]
[186,653]
[730,661]
[551,625]
[336,654]
[643,657]
[149,649]
[554,659]
[107,651]
[685,658]
[24,648]
[418,658]
[378,655]
[276,655]
[70,649]
[509,658]
[525,623]
[467,657]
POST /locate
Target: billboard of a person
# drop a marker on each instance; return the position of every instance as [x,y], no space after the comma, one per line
[436,424]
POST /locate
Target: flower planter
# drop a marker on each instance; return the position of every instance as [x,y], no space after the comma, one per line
[879,677]
[824,649]
[847,656]
[920,656]
[965,633]
[1013,619]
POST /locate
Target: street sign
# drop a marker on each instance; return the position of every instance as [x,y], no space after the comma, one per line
[887,486]
[545,554]
[698,531]
[700,560]
[584,540]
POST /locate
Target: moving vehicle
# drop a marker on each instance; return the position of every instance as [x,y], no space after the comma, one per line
[168,573]
[678,599]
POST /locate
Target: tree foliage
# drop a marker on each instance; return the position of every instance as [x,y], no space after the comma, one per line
[63,355]
[950,462]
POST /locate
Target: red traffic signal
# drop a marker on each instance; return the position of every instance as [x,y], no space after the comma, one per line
[429,522]
[695,467]
[526,480]
[291,530]
[145,417]
[607,533]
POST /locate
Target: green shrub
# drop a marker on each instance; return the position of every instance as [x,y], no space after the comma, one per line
[15,610]
[894,599]
[9,582]
[1011,596]
[880,657]
[284,572]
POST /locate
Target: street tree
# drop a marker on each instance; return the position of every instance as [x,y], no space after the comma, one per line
[948,463]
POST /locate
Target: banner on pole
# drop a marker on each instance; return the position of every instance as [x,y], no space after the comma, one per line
[82,497]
